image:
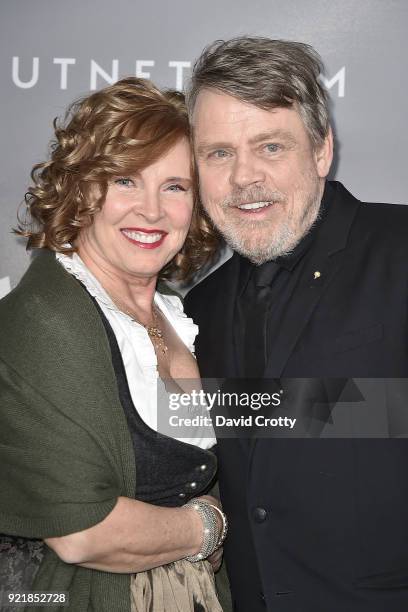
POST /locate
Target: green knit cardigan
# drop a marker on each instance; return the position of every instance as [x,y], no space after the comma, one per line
[65,450]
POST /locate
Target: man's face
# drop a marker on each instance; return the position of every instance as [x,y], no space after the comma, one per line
[261,180]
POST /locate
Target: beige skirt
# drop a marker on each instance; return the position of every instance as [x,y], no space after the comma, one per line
[177,587]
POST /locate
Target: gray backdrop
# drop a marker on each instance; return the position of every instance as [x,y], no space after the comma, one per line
[63,49]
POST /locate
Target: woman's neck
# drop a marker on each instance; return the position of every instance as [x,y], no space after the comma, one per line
[127,291]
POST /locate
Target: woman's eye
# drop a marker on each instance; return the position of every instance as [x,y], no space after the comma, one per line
[176,188]
[124,182]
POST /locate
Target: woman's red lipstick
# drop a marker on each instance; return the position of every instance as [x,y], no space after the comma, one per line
[143,237]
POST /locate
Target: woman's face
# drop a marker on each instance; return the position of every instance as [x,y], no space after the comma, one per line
[145,218]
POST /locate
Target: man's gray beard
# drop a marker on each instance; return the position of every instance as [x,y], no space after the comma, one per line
[242,237]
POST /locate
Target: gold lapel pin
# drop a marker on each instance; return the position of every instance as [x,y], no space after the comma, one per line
[317,274]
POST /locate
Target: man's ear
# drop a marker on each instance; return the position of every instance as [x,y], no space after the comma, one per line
[324,155]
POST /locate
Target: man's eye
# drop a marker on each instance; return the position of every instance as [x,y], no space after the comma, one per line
[176,187]
[124,182]
[272,147]
[219,154]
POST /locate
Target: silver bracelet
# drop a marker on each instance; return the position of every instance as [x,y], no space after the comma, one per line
[210,529]
[224,530]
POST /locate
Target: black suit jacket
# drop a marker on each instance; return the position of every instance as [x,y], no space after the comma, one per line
[321,525]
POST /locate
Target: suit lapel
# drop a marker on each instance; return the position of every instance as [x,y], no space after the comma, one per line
[317,277]
[322,263]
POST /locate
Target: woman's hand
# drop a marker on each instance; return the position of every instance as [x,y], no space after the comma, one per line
[216,559]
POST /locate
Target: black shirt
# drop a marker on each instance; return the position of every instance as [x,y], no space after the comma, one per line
[264,292]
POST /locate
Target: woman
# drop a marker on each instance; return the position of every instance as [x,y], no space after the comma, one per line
[86,340]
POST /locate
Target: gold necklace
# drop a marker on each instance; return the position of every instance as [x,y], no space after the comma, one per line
[154,332]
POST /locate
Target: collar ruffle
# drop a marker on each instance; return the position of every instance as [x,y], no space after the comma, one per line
[170,305]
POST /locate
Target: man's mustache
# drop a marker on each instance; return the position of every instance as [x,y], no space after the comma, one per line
[250,196]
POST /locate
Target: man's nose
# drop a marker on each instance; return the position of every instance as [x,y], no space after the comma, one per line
[246,171]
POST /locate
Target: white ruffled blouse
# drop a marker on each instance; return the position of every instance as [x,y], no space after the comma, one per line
[139,357]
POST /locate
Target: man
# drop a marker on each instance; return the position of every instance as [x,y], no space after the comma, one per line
[317,287]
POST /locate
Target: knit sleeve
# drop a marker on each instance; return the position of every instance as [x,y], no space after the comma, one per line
[56,475]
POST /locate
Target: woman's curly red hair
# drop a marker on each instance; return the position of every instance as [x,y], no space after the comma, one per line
[113,132]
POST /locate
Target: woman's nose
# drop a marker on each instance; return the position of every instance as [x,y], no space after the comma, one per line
[150,207]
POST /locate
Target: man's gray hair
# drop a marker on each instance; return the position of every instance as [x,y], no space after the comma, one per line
[267,73]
